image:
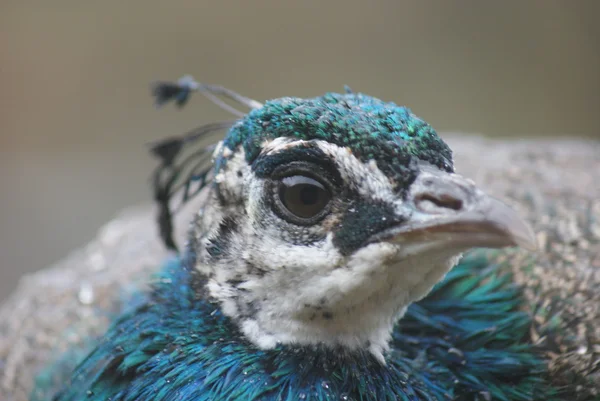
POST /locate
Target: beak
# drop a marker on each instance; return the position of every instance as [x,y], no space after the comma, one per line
[451,211]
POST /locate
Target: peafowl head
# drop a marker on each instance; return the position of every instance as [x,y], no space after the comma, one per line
[327,217]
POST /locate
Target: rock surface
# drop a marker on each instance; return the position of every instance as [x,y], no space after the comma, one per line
[554,183]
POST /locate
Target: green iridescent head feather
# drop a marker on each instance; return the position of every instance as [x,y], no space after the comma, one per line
[372,129]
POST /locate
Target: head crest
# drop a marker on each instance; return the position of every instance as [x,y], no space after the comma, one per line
[186,173]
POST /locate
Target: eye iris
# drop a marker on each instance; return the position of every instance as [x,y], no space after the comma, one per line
[303,196]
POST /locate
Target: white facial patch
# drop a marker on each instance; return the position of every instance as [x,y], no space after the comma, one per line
[284,283]
[366,178]
[278,144]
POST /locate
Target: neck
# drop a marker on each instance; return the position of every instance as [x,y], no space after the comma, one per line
[183,334]
[294,371]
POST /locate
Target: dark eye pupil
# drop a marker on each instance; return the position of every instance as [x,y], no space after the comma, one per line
[309,195]
[303,196]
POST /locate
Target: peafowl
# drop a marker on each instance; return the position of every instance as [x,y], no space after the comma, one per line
[331,259]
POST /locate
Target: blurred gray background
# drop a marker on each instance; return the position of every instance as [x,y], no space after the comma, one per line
[75,111]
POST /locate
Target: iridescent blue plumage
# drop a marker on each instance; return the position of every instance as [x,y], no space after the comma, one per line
[466,341]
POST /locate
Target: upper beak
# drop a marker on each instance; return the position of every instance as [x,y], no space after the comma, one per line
[451,210]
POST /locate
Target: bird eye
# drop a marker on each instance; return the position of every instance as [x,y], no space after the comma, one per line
[303,197]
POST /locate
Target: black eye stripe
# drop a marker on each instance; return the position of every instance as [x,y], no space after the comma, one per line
[362,219]
[307,153]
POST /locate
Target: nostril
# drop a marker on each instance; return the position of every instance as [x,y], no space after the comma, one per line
[429,202]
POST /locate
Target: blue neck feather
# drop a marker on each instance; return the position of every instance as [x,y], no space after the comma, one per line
[465,341]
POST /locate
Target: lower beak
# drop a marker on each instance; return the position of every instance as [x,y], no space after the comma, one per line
[451,210]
